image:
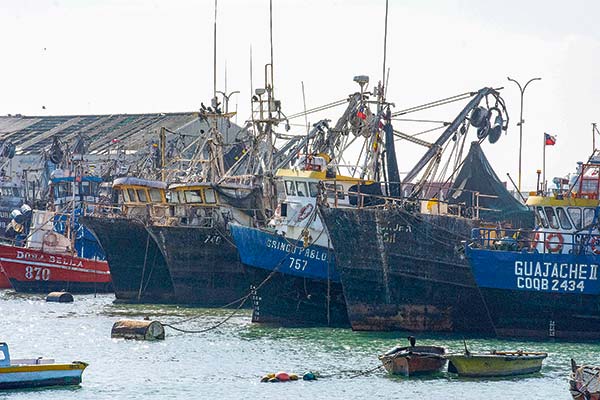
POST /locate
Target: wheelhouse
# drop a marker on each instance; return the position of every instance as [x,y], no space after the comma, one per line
[141,197]
[66,189]
[136,192]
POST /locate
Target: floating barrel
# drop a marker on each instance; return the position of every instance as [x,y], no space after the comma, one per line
[60,297]
[140,330]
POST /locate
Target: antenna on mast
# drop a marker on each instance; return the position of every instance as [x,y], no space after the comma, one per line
[215,59]
[384,44]
[271,39]
[305,118]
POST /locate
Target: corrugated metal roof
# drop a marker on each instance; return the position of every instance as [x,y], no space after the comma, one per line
[31,134]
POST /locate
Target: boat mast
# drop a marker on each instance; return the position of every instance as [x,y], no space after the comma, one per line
[216,166]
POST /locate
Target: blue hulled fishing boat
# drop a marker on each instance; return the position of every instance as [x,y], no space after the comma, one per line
[293,252]
[544,282]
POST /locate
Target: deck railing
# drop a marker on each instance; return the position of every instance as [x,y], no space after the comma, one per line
[538,241]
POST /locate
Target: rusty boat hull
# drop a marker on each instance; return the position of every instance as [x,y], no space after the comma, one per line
[138,269]
[401,271]
[203,264]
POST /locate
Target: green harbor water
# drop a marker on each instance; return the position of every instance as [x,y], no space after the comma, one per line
[227,363]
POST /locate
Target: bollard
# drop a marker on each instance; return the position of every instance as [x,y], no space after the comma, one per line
[140,330]
[60,297]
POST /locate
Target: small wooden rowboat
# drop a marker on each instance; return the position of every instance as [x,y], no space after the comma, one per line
[495,363]
[413,359]
[36,372]
[584,382]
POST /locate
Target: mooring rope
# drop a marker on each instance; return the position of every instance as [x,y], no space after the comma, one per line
[237,309]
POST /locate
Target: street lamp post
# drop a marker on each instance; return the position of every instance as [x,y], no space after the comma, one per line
[521,122]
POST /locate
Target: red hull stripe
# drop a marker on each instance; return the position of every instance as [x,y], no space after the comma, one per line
[57,266]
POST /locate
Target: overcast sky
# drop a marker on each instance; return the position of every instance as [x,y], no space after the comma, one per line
[142,56]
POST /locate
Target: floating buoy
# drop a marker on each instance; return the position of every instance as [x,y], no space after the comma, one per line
[309,376]
[60,297]
[282,376]
[293,377]
[265,379]
[273,380]
[140,330]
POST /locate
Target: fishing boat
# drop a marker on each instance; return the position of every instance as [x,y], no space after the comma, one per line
[411,360]
[584,382]
[11,198]
[398,262]
[138,269]
[48,262]
[543,282]
[293,250]
[4,281]
[495,363]
[291,258]
[196,245]
[37,372]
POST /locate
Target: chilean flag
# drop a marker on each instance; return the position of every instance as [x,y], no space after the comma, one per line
[549,140]
[360,114]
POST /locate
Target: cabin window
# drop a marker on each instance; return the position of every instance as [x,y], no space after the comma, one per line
[589,186]
[332,189]
[172,197]
[313,188]
[302,189]
[119,196]
[65,190]
[563,218]
[209,196]
[280,188]
[155,196]
[575,214]
[193,196]
[588,217]
[290,188]
[552,220]
[541,216]
[142,195]
[10,191]
[132,196]
[84,189]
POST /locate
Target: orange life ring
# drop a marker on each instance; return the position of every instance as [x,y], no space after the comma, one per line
[535,241]
[595,245]
[553,247]
[305,212]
